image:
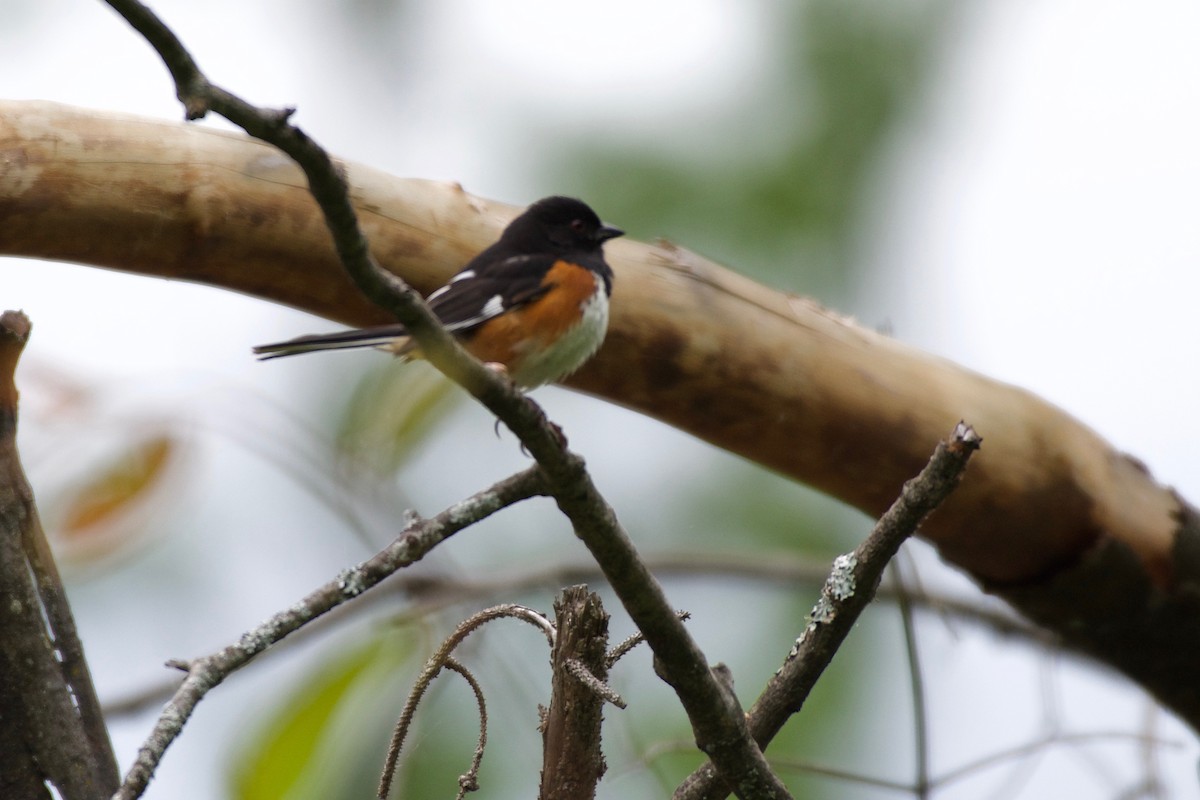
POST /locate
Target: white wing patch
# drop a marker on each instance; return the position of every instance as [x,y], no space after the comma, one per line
[466,274]
[494,307]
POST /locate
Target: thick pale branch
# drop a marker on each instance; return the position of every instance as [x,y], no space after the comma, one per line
[1051,510]
[768,375]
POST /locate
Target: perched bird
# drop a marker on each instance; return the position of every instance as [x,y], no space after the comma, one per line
[534,303]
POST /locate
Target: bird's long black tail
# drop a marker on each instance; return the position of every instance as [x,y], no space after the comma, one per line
[342,340]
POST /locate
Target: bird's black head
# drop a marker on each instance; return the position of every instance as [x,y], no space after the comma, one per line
[563,223]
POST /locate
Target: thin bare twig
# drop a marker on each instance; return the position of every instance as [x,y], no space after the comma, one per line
[413,544]
[594,684]
[469,781]
[1024,750]
[633,640]
[327,184]
[659,749]
[849,588]
[785,570]
[432,593]
[916,686]
[433,667]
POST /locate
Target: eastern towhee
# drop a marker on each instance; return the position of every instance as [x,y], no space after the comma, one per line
[535,302]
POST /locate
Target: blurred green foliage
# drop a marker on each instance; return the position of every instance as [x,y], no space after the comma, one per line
[787,198]
[391,412]
[327,739]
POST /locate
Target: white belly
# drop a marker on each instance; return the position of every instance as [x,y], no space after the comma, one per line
[571,350]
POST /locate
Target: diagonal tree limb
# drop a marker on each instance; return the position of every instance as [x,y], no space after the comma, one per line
[716,717]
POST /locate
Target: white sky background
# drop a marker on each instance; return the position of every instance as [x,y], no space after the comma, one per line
[1040,226]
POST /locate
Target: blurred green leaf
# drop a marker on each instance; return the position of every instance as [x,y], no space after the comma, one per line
[328,737]
[392,410]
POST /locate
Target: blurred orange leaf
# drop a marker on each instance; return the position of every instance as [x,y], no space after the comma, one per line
[117,485]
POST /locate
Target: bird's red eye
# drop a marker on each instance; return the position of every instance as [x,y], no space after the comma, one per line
[577,225]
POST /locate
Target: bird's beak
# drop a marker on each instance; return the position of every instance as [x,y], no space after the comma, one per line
[607,232]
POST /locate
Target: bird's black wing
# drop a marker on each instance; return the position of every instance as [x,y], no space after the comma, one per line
[478,294]
[483,290]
